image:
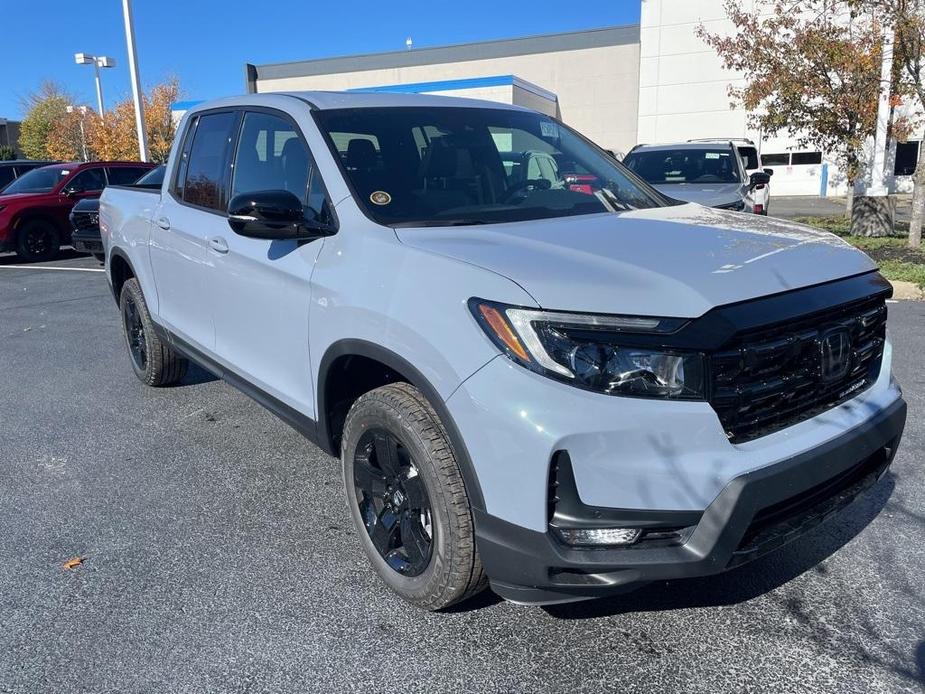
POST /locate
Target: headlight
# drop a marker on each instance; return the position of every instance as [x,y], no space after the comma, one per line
[595,352]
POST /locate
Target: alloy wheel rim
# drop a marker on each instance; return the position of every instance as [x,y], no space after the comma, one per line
[37,241]
[135,334]
[393,503]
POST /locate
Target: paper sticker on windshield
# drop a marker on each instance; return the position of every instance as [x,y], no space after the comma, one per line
[711,155]
[548,129]
[380,197]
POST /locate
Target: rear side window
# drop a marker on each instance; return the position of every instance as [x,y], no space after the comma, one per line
[7,174]
[87,181]
[125,175]
[207,165]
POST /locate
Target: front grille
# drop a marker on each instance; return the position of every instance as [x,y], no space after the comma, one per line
[85,221]
[774,377]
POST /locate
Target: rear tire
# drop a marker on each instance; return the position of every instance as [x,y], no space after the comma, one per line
[414,503]
[153,361]
[37,241]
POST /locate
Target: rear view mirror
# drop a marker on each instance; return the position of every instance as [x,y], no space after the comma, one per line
[275,215]
[759,179]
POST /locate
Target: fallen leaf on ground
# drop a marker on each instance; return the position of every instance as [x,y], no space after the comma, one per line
[73,562]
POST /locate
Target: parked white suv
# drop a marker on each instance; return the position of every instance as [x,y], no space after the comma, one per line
[751,160]
[564,385]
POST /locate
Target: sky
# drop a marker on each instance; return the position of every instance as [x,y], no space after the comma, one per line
[205,43]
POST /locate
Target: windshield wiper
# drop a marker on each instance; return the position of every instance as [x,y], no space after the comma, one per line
[439,223]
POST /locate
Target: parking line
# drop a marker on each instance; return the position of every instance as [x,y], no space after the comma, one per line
[45,267]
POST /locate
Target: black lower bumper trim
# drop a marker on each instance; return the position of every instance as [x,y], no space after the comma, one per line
[754,514]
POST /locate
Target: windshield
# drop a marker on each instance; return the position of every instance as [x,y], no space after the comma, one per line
[154,177]
[41,180]
[432,166]
[687,165]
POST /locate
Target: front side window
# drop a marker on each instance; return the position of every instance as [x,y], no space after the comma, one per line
[433,166]
[271,156]
[7,174]
[750,156]
[684,165]
[206,166]
[89,181]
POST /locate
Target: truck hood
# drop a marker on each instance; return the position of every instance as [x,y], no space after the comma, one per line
[708,194]
[671,261]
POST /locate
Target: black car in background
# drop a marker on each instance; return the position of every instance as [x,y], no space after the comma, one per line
[85,217]
[11,170]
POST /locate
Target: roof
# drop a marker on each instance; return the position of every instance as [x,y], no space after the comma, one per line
[679,145]
[13,162]
[323,101]
[483,50]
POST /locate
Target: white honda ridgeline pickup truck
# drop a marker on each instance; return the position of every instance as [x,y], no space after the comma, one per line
[538,372]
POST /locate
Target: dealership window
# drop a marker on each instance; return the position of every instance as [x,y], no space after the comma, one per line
[907,154]
[805,158]
[781,159]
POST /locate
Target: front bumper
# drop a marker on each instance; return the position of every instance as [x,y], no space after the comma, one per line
[86,242]
[754,514]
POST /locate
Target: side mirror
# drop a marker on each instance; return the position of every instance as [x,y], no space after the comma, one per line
[769,172]
[759,178]
[274,214]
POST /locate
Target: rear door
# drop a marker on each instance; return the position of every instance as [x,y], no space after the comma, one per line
[192,211]
[260,289]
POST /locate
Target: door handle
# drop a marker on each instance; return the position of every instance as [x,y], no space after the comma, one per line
[218,244]
[163,222]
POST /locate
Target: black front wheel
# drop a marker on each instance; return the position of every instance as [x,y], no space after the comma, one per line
[37,241]
[408,500]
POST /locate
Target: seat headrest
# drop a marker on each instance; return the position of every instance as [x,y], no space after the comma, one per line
[361,154]
[448,162]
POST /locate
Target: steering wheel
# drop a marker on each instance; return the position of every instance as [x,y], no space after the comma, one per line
[522,188]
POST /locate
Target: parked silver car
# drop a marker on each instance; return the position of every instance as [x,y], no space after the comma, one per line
[709,173]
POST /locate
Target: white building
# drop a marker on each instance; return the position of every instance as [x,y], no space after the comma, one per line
[652,82]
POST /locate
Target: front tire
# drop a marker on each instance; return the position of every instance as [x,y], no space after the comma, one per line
[407,498]
[37,241]
[153,361]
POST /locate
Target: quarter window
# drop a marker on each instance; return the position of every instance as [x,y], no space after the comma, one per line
[206,168]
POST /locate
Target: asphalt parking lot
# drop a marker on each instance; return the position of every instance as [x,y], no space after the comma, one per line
[218,556]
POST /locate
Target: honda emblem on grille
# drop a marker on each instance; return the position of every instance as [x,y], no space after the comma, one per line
[835,353]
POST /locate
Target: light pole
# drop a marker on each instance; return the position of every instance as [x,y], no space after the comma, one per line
[136,80]
[97,62]
[82,110]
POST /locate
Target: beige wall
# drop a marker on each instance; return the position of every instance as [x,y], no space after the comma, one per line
[597,88]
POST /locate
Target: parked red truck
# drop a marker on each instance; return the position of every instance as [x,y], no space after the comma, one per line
[34,208]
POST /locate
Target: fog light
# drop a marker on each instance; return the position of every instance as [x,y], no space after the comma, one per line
[598,537]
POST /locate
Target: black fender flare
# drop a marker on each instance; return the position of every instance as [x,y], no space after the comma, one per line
[371,350]
[117,252]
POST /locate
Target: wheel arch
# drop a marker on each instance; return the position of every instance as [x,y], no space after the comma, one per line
[120,270]
[332,377]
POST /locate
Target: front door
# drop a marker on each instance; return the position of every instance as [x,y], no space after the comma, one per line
[261,289]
